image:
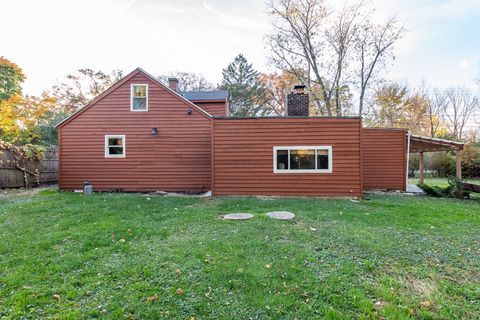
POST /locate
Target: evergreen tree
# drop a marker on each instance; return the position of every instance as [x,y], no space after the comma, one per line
[246,90]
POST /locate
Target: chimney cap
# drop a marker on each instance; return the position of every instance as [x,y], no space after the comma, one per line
[299,86]
[172,79]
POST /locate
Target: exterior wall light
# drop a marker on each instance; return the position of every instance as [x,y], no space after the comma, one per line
[189,111]
[154,131]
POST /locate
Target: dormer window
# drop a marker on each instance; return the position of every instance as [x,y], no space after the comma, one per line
[139,97]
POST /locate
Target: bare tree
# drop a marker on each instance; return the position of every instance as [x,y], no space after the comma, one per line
[374,47]
[437,104]
[82,86]
[334,49]
[341,36]
[277,87]
[462,105]
[188,81]
[296,43]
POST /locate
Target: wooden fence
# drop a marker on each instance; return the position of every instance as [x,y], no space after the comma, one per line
[29,173]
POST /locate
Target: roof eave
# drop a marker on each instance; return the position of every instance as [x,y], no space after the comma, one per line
[119,83]
[207,100]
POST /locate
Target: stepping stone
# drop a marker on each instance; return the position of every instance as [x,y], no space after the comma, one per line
[238,216]
[281,215]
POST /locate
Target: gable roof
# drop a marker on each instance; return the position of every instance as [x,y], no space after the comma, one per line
[121,82]
[216,95]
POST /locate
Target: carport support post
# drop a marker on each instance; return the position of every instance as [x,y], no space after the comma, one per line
[458,163]
[422,168]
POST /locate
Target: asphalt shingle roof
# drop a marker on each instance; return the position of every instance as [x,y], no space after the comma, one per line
[205,95]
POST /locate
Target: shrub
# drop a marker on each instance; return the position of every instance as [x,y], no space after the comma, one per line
[471,162]
[443,164]
[413,164]
[454,189]
[433,191]
[25,152]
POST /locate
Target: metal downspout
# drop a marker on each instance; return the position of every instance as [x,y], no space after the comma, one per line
[408,157]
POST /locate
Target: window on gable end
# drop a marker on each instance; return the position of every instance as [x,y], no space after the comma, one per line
[139,97]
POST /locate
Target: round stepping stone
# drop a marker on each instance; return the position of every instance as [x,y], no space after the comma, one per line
[238,216]
[281,215]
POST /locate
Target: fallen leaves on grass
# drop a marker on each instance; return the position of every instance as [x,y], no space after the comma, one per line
[208,259]
[426,304]
[379,304]
[305,296]
[178,272]
[180,291]
[268,266]
[153,298]
[57,297]
[208,293]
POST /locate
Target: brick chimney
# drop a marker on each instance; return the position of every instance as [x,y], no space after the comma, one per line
[173,84]
[297,102]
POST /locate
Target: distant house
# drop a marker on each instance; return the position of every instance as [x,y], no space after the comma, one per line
[140,135]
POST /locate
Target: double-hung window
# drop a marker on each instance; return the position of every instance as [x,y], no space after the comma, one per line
[139,97]
[115,146]
[302,159]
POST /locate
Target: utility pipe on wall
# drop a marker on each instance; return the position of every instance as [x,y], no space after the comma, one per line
[408,157]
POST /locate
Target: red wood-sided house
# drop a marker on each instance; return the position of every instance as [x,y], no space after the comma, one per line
[141,135]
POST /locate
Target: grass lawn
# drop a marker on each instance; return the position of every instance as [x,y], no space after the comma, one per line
[441,182]
[131,256]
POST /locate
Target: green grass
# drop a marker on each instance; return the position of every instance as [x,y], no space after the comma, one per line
[67,256]
[441,182]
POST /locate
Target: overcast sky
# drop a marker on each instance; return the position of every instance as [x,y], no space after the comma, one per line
[51,38]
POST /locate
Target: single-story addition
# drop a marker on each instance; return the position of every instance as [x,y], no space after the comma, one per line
[141,135]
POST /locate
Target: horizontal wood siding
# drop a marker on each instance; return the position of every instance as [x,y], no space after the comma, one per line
[176,159]
[384,159]
[213,108]
[243,156]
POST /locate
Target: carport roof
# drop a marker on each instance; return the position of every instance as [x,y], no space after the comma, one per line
[425,144]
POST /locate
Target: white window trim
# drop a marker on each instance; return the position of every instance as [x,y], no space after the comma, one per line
[131,96]
[330,159]
[124,145]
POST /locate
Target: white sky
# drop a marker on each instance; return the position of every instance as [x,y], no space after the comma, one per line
[51,38]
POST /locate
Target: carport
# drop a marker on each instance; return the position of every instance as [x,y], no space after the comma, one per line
[420,145]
